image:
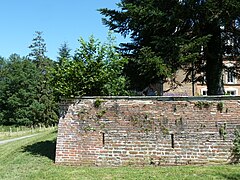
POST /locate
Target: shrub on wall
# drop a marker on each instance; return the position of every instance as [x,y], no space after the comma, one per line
[236,147]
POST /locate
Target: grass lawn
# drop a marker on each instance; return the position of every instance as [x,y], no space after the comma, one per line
[33,158]
[9,132]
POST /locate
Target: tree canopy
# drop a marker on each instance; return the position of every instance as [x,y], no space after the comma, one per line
[95,69]
[182,34]
[19,97]
[46,101]
[26,97]
[31,87]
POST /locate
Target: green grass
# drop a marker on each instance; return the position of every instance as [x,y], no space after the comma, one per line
[33,158]
[9,132]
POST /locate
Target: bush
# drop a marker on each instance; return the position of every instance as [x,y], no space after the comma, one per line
[235,157]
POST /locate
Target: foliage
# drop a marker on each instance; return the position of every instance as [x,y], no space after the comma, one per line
[20,101]
[96,69]
[223,131]
[38,49]
[236,147]
[97,103]
[148,68]
[189,35]
[17,91]
[26,97]
[220,106]
[153,50]
[32,158]
[64,52]
[45,106]
[203,104]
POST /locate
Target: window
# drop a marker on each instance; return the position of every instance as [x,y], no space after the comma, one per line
[231,78]
[203,78]
[231,91]
[204,92]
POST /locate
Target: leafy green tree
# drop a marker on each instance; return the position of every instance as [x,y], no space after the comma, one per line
[96,69]
[102,66]
[185,34]
[116,81]
[67,75]
[61,73]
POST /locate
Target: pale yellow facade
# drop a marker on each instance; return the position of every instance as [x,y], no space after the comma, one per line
[231,85]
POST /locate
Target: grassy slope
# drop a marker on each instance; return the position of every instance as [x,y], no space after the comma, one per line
[33,158]
[9,132]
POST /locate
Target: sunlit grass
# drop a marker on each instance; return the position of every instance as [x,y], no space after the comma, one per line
[33,158]
[9,132]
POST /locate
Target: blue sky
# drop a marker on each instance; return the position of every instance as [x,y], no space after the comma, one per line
[59,20]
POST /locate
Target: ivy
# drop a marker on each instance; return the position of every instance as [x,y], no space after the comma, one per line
[236,147]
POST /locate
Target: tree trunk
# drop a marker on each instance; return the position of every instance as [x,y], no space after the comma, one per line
[160,93]
[214,60]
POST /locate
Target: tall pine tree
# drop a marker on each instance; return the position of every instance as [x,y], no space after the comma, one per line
[47,112]
[187,34]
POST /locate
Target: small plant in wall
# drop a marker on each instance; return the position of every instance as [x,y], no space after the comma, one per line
[164,130]
[143,122]
[220,106]
[89,128]
[100,113]
[223,131]
[203,104]
[235,156]
[179,122]
[98,103]
[81,114]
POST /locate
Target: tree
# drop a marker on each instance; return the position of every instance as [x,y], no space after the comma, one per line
[45,103]
[96,69]
[151,62]
[183,34]
[66,75]
[216,19]
[18,79]
[2,86]
[38,49]
[64,52]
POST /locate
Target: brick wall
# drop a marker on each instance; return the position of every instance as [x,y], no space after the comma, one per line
[117,131]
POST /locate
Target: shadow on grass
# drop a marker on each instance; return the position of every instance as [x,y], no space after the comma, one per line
[235,176]
[43,148]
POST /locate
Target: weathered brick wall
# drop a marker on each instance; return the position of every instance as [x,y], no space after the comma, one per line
[115,131]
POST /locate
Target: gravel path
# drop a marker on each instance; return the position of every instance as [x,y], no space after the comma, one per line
[15,139]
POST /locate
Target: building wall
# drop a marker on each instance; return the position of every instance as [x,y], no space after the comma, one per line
[231,88]
[184,90]
[119,131]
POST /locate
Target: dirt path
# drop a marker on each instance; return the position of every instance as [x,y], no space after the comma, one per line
[15,139]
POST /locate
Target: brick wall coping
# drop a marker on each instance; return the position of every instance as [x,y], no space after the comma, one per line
[161,98]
